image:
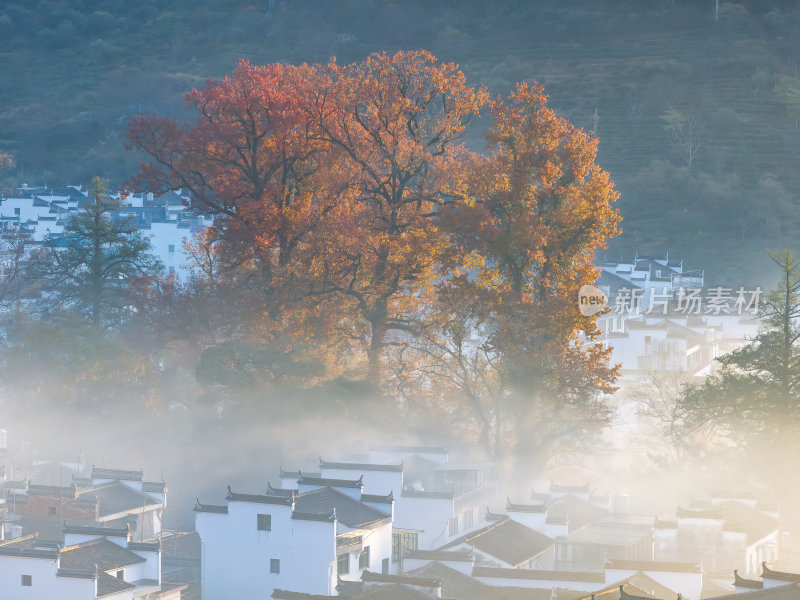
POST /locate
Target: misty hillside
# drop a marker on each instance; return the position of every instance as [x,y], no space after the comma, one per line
[636,72]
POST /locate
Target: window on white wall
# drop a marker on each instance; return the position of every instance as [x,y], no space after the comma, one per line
[264,522]
[27,580]
[274,565]
[453,526]
[343,564]
[468,518]
[363,559]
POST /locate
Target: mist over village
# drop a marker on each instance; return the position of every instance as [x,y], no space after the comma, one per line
[399,300]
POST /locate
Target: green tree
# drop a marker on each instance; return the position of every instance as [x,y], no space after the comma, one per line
[753,403]
[89,268]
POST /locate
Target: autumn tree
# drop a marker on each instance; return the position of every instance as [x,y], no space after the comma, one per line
[254,157]
[398,122]
[88,270]
[529,220]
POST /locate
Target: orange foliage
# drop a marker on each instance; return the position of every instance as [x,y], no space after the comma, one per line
[371,230]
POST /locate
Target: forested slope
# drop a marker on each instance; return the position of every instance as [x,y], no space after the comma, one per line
[638,73]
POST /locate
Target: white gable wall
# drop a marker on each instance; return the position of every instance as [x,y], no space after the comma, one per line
[236,556]
[45,582]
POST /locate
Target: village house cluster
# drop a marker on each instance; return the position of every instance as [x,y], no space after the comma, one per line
[93,536]
[405,521]
[34,214]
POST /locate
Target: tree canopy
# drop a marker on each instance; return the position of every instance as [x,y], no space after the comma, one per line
[366,234]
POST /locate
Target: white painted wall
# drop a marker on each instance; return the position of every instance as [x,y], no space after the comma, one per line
[535,521]
[27,211]
[236,556]
[45,583]
[429,515]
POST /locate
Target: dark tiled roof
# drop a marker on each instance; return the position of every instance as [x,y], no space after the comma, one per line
[535,575]
[526,508]
[746,583]
[52,490]
[577,512]
[304,516]
[440,555]
[455,584]
[98,473]
[326,482]
[463,587]
[210,508]
[115,497]
[154,487]
[77,573]
[351,512]
[97,530]
[369,576]
[789,591]
[29,552]
[154,546]
[107,585]
[646,565]
[346,466]
[257,498]
[767,573]
[377,498]
[630,594]
[507,540]
[279,594]
[103,553]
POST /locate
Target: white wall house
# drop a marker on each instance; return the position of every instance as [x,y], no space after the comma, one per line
[435,500]
[287,539]
[730,532]
[94,562]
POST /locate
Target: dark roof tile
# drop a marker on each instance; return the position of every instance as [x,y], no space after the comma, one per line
[767,573]
[507,540]
[327,482]
[105,554]
[351,512]
[119,474]
[258,498]
[790,591]
[348,466]
[108,585]
[646,565]
[537,575]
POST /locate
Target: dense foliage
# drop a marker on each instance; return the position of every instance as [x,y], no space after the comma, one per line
[357,218]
